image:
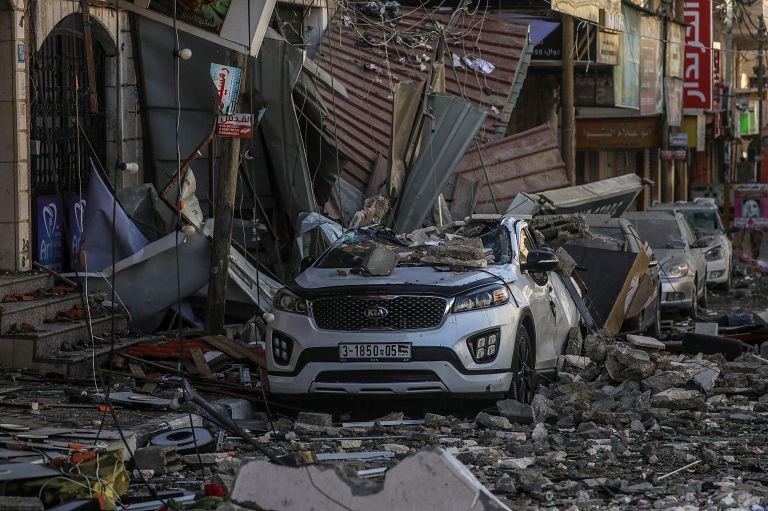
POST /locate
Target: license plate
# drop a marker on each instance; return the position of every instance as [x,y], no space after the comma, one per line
[375,352]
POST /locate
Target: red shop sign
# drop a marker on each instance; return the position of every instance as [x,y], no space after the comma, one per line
[698,68]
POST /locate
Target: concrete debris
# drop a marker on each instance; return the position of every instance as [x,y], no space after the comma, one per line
[467,252]
[159,458]
[492,421]
[372,213]
[681,399]
[429,479]
[543,409]
[625,363]
[642,341]
[515,411]
[381,261]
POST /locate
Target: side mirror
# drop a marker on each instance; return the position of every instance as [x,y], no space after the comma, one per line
[306,263]
[540,261]
[700,244]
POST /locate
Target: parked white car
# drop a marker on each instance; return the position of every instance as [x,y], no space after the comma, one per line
[426,328]
[704,218]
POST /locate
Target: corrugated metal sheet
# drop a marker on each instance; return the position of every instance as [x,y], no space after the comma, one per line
[524,162]
[455,125]
[360,124]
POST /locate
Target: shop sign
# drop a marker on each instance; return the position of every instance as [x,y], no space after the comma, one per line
[50,232]
[607,48]
[750,205]
[698,72]
[673,95]
[611,17]
[226,80]
[627,73]
[593,90]
[680,154]
[665,154]
[675,49]
[618,133]
[235,126]
[678,139]
[651,81]
[205,15]
[716,77]
[584,9]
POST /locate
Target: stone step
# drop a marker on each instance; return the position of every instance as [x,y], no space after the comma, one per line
[79,363]
[35,312]
[50,337]
[24,283]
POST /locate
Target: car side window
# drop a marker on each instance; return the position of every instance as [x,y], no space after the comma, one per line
[527,244]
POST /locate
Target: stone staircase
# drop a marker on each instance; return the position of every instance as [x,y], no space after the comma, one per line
[46,334]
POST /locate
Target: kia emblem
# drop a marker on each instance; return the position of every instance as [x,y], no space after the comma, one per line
[377,312]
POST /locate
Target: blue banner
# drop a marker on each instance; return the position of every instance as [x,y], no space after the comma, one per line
[50,237]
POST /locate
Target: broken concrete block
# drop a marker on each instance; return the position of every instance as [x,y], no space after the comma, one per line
[206,458]
[565,262]
[625,363]
[680,399]
[519,463]
[381,261]
[505,484]
[706,328]
[396,448]
[543,409]
[764,350]
[596,348]
[539,432]
[663,381]
[324,420]
[575,342]
[705,379]
[572,363]
[163,459]
[429,479]
[492,421]
[467,252]
[642,341]
[515,411]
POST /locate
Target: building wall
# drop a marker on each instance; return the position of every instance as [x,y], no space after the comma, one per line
[15,225]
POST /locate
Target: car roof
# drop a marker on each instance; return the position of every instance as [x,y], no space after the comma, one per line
[650,215]
[605,221]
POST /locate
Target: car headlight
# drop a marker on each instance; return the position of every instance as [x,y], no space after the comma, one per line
[490,296]
[286,300]
[714,254]
[677,270]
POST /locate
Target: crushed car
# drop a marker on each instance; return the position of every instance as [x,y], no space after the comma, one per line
[704,218]
[683,267]
[476,308]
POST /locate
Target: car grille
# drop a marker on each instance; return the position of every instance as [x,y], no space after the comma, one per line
[352,313]
[375,376]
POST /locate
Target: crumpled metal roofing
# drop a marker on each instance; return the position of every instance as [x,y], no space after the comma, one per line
[369,56]
[524,162]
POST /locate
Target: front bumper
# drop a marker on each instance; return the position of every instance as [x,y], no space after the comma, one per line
[717,271]
[440,358]
[677,293]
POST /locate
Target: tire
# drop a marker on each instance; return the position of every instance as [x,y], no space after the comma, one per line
[729,269]
[695,300]
[703,300]
[654,329]
[523,370]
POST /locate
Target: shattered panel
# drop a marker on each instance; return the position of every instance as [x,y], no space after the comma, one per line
[525,162]
[370,57]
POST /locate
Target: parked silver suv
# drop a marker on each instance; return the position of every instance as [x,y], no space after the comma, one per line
[704,218]
[683,268]
[428,327]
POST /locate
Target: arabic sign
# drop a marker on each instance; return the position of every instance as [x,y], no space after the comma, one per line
[50,237]
[206,14]
[608,46]
[618,133]
[584,9]
[651,84]
[675,49]
[611,16]
[594,89]
[235,125]
[226,79]
[678,139]
[627,73]
[750,205]
[698,55]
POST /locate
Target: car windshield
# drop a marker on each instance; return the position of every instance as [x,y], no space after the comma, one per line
[352,249]
[660,234]
[610,232]
[701,219]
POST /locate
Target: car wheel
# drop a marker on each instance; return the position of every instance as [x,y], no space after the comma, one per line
[729,268]
[703,300]
[523,367]
[695,300]
[654,329]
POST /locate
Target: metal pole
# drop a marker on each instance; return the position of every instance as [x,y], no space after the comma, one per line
[760,80]
[729,103]
[568,121]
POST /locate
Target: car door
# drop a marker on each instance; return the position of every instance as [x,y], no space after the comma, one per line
[539,292]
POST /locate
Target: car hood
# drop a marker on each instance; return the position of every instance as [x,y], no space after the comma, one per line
[411,279]
[714,240]
[669,258]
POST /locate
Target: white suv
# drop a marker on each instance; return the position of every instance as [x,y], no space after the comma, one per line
[426,328]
